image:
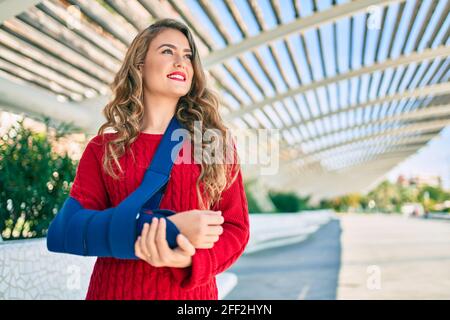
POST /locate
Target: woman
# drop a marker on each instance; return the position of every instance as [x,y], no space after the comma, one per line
[162,77]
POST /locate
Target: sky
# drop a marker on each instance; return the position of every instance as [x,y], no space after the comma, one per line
[432,159]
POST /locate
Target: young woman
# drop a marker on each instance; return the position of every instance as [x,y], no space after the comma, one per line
[162,77]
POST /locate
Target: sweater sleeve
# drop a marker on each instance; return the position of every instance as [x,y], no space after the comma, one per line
[88,186]
[207,263]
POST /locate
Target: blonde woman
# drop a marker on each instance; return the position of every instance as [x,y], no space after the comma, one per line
[162,77]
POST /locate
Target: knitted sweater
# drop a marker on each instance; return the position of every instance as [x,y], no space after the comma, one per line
[136,279]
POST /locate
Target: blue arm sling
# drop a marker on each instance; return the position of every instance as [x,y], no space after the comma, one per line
[113,232]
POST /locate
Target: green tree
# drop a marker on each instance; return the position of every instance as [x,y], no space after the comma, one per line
[289,201]
[34,182]
[435,194]
[389,197]
[386,196]
[325,204]
[253,206]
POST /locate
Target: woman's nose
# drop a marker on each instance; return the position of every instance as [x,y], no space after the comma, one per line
[178,60]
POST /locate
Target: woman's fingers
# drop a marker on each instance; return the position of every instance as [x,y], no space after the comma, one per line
[150,241]
[186,247]
[214,230]
[206,242]
[165,253]
[142,244]
[152,246]
[206,245]
[211,239]
[137,249]
[214,219]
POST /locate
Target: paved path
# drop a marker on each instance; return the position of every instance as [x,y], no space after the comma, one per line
[374,257]
[392,257]
[307,270]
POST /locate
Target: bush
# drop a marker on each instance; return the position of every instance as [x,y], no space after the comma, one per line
[288,201]
[34,182]
[253,206]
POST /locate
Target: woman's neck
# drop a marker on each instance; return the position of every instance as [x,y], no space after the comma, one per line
[157,115]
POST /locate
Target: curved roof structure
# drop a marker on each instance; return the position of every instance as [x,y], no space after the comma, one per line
[354,87]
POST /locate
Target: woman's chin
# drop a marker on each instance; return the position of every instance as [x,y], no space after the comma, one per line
[178,93]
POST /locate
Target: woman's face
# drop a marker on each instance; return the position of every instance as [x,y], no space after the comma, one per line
[168,67]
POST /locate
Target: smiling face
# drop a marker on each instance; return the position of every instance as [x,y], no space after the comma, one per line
[168,68]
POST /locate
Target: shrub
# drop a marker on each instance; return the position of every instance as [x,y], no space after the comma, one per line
[253,206]
[34,182]
[289,201]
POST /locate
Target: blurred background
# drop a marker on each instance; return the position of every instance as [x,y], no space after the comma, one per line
[359,204]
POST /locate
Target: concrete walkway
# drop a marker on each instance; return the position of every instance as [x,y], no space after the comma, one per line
[306,270]
[392,257]
[359,256]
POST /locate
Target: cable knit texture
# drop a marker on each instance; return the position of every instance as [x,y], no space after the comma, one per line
[136,279]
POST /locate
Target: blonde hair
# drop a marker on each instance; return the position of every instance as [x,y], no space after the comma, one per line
[125,112]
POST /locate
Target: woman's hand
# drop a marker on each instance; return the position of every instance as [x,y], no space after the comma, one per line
[152,247]
[201,227]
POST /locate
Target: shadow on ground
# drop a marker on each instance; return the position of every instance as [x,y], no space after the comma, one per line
[306,270]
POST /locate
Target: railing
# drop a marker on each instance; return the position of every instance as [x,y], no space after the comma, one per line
[273,230]
[443,216]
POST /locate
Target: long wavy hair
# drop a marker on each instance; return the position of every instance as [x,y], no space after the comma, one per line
[125,112]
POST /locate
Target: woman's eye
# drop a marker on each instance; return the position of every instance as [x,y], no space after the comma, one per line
[189,56]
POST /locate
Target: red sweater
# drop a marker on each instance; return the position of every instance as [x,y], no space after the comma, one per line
[136,279]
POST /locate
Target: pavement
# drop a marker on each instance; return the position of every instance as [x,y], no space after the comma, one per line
[306,270]
[393,257]
[357,256]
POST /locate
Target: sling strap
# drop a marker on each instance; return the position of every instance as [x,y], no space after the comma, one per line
[112,232]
